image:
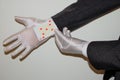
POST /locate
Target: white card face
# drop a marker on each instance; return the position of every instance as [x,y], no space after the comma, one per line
[44,30]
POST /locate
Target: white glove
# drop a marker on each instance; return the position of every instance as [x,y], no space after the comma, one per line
[24,42]
[67,44]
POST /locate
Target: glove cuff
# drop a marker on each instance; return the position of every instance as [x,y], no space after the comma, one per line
[84,49]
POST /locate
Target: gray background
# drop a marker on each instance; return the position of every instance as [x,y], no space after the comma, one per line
[47,63]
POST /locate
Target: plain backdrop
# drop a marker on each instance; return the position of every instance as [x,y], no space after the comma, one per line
[46,62]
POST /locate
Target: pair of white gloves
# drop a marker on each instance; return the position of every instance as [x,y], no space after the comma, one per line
[36,33]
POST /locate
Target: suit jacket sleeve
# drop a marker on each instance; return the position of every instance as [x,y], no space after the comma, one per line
[83,12]
[104,54]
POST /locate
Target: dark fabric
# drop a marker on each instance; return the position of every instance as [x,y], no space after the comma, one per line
[112,73]
[117,75]
[83,12]
[109,74]
[104,54]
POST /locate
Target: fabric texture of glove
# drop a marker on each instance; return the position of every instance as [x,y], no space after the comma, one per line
[67,44]
[24,42]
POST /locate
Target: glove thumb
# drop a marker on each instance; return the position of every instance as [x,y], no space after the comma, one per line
[26,21]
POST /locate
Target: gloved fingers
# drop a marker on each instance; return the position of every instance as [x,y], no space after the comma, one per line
[26,21]
[12,46]
[65,30]
[19,50]
[25,53]
[58,42]
[39,21]
[59,35]
[10,40]
[68,33]
[21,20]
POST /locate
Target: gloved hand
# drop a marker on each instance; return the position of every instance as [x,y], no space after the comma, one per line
[24,42]
[68,44]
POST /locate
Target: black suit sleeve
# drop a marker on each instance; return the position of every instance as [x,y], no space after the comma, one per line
[83,12]
[104,54]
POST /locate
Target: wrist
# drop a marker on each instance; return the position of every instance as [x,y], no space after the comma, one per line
[84,49]
[45,29]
